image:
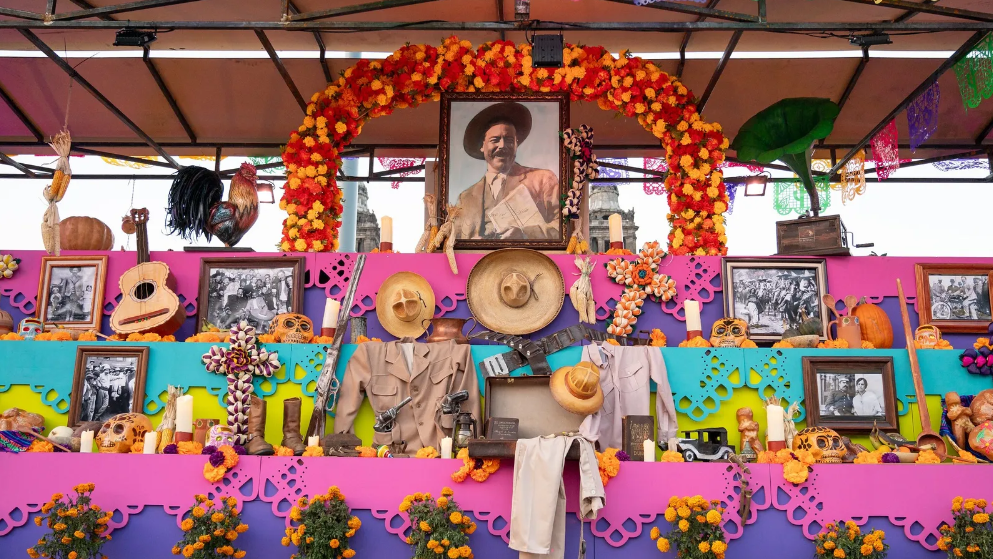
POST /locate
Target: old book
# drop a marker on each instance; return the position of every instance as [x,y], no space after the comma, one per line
[517,210]
[635,430]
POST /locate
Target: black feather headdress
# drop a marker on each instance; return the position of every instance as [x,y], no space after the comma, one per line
[193,192]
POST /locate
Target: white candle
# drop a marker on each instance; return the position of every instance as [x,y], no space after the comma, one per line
[614,224]
[313,440]
[386,229]
[446,447]
[331,310]
[151,441]
[692,309]
[649,450]
[86,441]
[776,427]
[184,414]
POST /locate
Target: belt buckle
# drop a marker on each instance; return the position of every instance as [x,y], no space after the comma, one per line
[495,366]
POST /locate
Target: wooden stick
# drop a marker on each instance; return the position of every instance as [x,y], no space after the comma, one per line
[927,436]
[46,439]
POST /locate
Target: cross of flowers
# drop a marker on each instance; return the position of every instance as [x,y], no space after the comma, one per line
[240,361]
[641,279]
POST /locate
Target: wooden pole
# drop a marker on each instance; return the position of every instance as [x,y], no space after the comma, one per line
[927,436]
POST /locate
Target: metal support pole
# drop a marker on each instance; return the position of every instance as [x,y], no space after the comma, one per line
[719,70]
[349,214]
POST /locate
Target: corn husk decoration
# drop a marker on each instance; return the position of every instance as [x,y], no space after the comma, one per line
[61,143]
[581,292]
[446,237]
[430,225]
[167,428]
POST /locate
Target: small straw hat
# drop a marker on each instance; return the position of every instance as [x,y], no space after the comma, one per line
[577,388]
[405,304]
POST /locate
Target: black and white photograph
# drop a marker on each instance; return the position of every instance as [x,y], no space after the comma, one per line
[108,381]
[849,392]
[504,166]
[956,296]
[71,291]
[251,290]
[774,295]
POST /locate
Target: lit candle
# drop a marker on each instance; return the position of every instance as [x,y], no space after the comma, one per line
[446,447]
[184,414]
[614,224]
[331,310]
[151,441]
[649,450]
[776,427]
[86,441]
[313,440]
[692,309]
[386,229]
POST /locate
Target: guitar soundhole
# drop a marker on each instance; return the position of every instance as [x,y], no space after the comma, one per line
[143,290]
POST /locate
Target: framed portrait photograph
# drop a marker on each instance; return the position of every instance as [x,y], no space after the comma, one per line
[850,393]
[250,289]
[70,291]
[504,165]
[775,294]
[955,297]
[107,381]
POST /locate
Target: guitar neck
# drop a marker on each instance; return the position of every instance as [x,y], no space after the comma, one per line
[141,232]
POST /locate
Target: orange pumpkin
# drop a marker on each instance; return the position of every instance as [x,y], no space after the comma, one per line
[875,324]
[85,233]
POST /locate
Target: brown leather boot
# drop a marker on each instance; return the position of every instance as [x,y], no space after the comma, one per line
[256,429]
[291,426]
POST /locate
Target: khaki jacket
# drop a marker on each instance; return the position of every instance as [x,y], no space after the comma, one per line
[379,370]
[477,199]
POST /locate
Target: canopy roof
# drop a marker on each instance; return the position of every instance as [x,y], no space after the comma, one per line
[242,103]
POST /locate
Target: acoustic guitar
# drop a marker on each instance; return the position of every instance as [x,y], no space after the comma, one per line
[149,304]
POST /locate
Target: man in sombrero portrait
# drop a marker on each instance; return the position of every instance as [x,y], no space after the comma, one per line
[494,135]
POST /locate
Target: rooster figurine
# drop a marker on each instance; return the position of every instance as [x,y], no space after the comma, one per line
[195,206]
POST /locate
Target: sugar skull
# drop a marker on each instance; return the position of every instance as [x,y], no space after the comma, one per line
[30,327]
[729,332]
[120,432]
[927,336]
[221,435]
[825,444]
[292,328]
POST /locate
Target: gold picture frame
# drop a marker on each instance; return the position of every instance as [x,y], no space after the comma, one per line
[71,291]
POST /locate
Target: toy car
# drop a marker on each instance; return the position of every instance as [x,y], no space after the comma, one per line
[709,445]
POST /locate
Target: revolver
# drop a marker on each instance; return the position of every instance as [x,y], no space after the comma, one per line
[386,420]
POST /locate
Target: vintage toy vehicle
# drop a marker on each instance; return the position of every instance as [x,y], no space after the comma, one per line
[709,445]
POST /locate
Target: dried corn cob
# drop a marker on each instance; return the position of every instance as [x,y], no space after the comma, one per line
[581,292]
[424,242]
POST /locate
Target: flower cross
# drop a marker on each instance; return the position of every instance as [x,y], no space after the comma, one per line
[641,279]
[240,362]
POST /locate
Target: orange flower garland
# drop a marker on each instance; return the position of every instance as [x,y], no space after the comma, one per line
[417,73]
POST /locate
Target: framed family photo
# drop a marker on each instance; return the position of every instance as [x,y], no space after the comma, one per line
[250,289]
[70,291]
[955,297]
[107,381]
[850,393]
[775,294]
[504,165]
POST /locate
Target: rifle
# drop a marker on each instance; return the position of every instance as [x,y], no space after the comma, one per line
[327,378]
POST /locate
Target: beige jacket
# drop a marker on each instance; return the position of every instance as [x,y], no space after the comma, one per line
[625,376]
[380,371]
[477,199]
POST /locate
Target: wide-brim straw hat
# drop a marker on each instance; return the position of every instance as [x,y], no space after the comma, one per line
[500,276]
[405,304]
[509,111]
[577,388]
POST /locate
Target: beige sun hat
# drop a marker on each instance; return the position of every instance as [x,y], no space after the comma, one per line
[577,388]
[515,291]
[405,304]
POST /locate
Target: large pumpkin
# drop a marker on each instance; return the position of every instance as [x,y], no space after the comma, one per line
[85,233]
[875,324]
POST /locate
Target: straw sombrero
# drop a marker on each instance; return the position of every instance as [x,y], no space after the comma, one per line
[405,304]
[509,111]
[577,388]
[515,291]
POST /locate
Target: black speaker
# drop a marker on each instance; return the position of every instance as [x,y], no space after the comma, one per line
[547,51]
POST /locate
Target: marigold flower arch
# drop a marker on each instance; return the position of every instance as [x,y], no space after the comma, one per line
[417,73]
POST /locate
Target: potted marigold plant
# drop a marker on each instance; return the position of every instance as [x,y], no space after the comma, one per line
[845,539]
[78,527]
[439,528]
[697,532]
[210,530]
[323,526]
[971,535]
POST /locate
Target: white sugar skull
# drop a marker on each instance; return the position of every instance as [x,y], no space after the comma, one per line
[120,432]
[220,435]
[29,328]
[292,328]
[825,444]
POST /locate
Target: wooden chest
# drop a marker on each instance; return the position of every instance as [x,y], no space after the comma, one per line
[824,235]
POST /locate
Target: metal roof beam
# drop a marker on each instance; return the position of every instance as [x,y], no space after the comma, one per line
[119,9]
[22,14]
[8,161]
[984,132]
[928,8]
[930,160]
[961,53]
[292,9]
[281,68]
[686,40]
[40,45]
[854,79]
[356,9]
[98,153]
[718,71]
[14,108]
[692,10]
[168,95]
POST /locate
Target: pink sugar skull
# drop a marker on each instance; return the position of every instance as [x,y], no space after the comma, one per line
[221,435]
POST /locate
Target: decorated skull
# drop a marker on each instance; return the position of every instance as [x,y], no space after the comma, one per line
[220,435]
[121,431]
[729,332]
[29,328]
[825,444]
[927,336]
[292,328]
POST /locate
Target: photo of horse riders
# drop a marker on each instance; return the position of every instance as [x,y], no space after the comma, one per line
[775,298]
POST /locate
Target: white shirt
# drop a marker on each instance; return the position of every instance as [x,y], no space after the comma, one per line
[866,404]
[496,181]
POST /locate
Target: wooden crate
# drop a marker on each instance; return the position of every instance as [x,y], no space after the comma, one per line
[824,236]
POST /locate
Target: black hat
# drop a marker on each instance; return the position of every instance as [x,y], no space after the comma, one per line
[515,113]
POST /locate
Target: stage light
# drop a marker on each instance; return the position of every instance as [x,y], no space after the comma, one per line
[870,40]
[128,37]
[546,51]
[755,186]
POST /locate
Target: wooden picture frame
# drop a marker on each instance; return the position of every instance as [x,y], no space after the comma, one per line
[766,295]
[941,309]
[105,388]
[844,408]
[529,174]
[246,302]
[71,291]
